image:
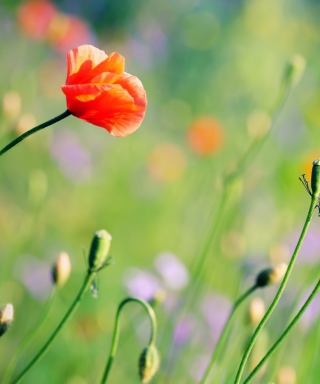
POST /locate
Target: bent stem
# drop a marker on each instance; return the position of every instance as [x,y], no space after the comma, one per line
[34,130]
[285,333]
[115,338]
[223,334]
[27,340]
[280,291]
[85,286]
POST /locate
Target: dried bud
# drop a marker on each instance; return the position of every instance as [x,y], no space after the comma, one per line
[294,69]
[99,249]
[6,318]
[148,363]
[61,269]
[271,275]
[315,178]
[256,311]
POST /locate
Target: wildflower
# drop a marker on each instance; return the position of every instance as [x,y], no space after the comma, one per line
[61,269]
[100,92]
[6,318]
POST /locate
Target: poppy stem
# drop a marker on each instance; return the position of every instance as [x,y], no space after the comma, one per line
[27,340]
[115,339]
[85,286]
[34,130]
[285,333]
[223,334]
[280,290]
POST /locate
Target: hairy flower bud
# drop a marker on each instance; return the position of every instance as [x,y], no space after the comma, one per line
[148,363]
[61,269]
[99,249]
[6,318]
[271,275]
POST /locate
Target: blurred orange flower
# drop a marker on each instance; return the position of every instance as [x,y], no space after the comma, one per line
[100,92]
[66,32]
[205,136]
[34,18]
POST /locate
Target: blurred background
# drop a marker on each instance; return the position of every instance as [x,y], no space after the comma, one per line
[211,71]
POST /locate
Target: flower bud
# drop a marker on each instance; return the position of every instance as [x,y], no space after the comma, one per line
[6,318]
[315,178]
[294,69]
[99,250]
[61,269]
[148,363]
[271,275]
[256,311]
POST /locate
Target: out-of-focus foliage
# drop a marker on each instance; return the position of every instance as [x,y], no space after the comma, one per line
[211,70]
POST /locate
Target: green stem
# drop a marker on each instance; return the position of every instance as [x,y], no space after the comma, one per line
[285,333]
[34,130]
[280,291]
[115,338]
[85,286]
[243,164]
[224,333]
[26,341]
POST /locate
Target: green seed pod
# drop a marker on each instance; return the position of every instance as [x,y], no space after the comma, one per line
[6,318]
[149,363]
[271,275]
[315,178]
[99,249]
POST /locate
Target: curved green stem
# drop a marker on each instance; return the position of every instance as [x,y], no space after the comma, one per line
[85,286]
[279,293]
[34,130]
[285,333]
[224,333]
[116,332]
[26,341]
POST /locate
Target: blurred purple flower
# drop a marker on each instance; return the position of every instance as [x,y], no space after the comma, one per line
[215,309]
[72,158]
[183,330]
[141,284]
[311,314]
[35,275]
[173,272]
[310,249]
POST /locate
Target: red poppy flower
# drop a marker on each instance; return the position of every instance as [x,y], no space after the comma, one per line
[100,92]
